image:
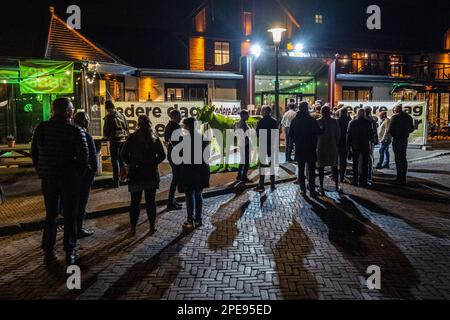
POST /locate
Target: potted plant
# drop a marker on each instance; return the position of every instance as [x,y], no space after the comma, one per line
[11,141]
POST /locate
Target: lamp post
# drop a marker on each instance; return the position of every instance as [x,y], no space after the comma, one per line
[276,34]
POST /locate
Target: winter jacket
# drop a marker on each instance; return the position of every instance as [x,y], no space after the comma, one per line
[116,127]
[401,126]
[327,145]
[142,155]
[360,134]
[59,149]
[304,132]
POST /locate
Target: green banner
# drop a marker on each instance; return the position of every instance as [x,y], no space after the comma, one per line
[41,76]
[9,76]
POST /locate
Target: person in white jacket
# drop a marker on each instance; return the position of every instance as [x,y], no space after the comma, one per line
[385,141]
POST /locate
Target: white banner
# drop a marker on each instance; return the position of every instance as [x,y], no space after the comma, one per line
[227,107]
[416,109]
[158,112]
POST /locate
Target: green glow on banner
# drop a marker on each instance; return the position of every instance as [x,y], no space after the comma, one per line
[41,76]
[9,76]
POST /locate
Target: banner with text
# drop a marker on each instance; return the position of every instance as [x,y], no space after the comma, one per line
[227,107]
[158,112]
[416,109]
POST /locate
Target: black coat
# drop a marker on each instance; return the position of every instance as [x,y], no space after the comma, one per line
[194,175]
[143,155]
[267,123]
[360,134]
[304,132]
[343,124]
[59,149]
[401,126]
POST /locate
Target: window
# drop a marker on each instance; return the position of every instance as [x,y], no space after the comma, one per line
[319,19]
[221,53]
[356,94]
[186,92]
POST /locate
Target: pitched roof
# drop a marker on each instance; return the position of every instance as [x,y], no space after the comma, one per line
[65,43]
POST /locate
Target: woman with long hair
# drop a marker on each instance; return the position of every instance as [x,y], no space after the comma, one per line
[143,152]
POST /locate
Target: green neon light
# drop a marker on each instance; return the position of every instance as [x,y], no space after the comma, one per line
[51,77]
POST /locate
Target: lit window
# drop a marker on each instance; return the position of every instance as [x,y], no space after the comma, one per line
[221,53]
[319,18]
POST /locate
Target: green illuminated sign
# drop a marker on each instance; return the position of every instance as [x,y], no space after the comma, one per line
[51,77]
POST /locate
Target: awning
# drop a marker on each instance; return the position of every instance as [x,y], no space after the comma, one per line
[188,74]
[443,87]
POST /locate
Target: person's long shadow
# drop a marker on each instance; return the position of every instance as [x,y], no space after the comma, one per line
[365,244]
[296,281]
[143,271]
[413,191]
[226,230]
[444,172]
[419,225]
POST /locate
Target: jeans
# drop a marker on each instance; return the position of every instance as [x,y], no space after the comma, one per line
[174,183]
[194,203]
[244,164]
[85,189]
[400,148]
[116,160]
[362,155]
[342,162]
[150,204]
[311,174]
[289,144]
[384,154]
[60,192]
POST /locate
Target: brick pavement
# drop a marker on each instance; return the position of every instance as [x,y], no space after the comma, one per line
[271,245]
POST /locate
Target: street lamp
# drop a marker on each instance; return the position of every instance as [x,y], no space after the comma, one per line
[277,34]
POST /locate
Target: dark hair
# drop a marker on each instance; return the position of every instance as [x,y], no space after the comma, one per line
[60,105]
[303,107]
[190,124]
[243,112]
[109,105]
[174,112]
[326,111]
[145,128]
[343,112]
[80,118]
[266,110]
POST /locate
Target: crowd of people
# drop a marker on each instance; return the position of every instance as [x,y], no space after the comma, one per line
[323,137]
[65,157]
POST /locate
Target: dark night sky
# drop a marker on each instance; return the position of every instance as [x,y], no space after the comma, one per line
[141,31]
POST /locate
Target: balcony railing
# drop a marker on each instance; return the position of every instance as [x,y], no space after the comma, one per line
[387,67]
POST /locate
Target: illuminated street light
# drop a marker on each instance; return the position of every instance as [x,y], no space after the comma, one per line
[256,50]
[277,34]
[299,47]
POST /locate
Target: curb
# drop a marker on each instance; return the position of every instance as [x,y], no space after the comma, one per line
[39,224]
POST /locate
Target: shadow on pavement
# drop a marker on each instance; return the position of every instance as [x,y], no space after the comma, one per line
[296,281]
[422,226]
[148,273]
[364,244]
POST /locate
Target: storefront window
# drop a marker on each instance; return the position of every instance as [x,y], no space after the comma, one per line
[356,94]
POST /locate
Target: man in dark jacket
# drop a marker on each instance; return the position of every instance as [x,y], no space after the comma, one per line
[343,120]
[359,139]
[304,132]
[267,124]
[116,131]
[401,126]
[60,155]
[172,126]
